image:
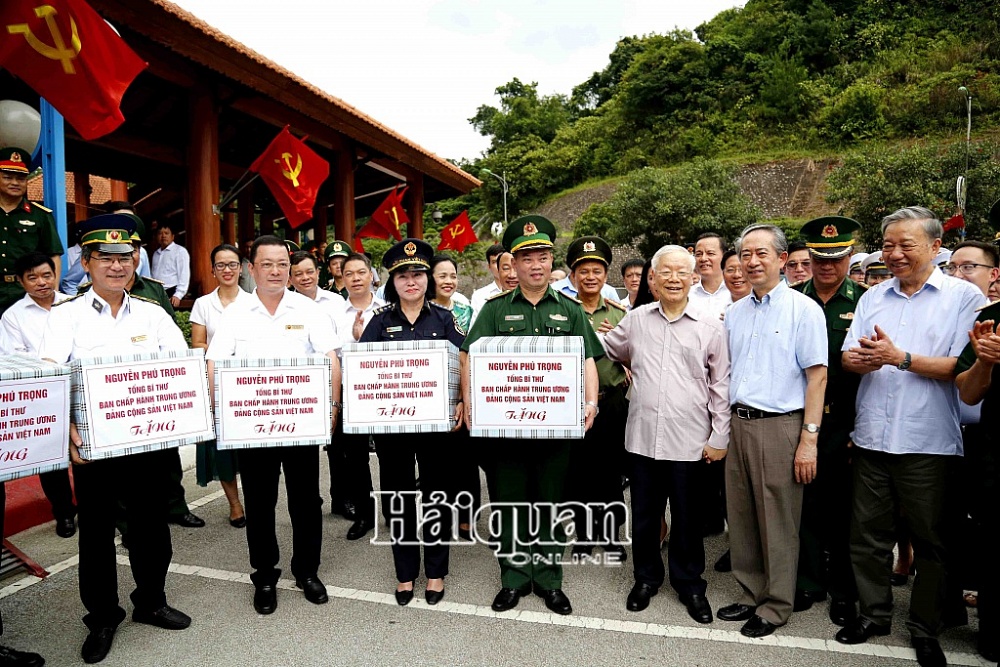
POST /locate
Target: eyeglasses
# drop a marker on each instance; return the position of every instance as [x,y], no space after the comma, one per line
[232,266]
[667,273]
[888,248]
[967,269]
[123,260]
[270,266]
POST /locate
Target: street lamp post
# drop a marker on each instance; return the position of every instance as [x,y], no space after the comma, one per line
[503,183]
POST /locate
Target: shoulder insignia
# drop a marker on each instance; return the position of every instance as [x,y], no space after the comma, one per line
[68,299]
[458,327]
[799,285]
[382,309]
[152,280]
[498,295]
[146,299]
[616,304]
[83,287]
[567,296]
[987,305]
[37,205]
[437,305]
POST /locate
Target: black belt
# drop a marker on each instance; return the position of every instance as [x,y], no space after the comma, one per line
[746,412]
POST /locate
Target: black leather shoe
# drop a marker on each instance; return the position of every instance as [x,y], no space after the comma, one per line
[507,599]
[238,522]
[639,596]
[403,598]
[12,658]
[187,520]
[842,612]
[618,549]
[97,645]
[804,599]
[725,562]
[359,529]
[314,590]
[556,601]
[65,527]
[861,631]
[757,627]
[929,653]
[698,607]
[165,617]
[433,597]
[265,599]
[736,612]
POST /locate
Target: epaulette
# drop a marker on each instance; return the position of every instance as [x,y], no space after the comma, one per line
[382,309]
[987,305]
[863,286]
[146,299]
[67,299]
[37,205]
[798,284]
[615,304]
[152,280]
[498,295]
[83,286]
[571,298]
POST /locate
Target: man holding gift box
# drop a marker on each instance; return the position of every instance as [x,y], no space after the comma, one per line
[108,320]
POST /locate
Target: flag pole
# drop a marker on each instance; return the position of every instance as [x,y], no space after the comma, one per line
[237,188]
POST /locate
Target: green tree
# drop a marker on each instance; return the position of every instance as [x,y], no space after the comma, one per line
[522,114]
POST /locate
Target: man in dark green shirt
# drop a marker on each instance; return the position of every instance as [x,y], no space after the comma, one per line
[528,471]
[826,503]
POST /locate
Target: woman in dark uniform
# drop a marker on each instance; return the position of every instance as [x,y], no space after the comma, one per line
[408,316]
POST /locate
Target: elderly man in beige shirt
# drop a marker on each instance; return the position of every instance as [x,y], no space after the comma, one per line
[678,423]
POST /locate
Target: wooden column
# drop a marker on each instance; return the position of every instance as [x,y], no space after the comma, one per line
[119,190]
[343,197]
[415,207]
[267,223]
[295,236]
[81,197]
[229,228]
[320,221]
[247,221]
[203,231]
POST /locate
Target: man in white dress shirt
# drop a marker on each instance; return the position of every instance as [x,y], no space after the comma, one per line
[501,265]
[710,293]
[304,278]
[171,264]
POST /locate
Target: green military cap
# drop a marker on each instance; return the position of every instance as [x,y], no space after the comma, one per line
[529,232]
[14,159]
[408,255]
[111,232]
[830,237]
[588,248]
[336,249]
[140,227]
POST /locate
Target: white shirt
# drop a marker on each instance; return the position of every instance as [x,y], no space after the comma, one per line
[207,310]
[480,296]
[172,267]
[347,315]
[83,327]
[24,324]
[711,302]
[332,304]
[298,327]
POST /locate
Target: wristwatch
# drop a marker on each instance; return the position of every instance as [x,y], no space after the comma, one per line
[337,404]
[904,365]
[810,428]
[592,404]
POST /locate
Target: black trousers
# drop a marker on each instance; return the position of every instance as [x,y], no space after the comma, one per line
[260,469]
[826,520]
[56,486]
[350,471]
[140,481]
[396,455]
[653,484]
[465,488]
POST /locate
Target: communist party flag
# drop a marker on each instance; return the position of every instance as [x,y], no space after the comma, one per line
[458,234]
[372,230]
[70,56]
[358,246]
[390,214]
[293,172]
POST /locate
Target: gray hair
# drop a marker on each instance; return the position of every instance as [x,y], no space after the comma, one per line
[671,250]
[932,226]
[778,240]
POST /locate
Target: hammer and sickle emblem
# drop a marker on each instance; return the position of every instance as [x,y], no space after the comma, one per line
[395,216]
[58,50]
[289,173]
[456,230]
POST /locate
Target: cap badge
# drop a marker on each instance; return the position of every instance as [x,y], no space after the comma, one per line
[589,246]
[337,247]
[114,235]
[830,232]
[410,249]
[15,157]
[529,229]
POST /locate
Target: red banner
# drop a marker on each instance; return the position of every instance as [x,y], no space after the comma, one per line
[293,172]
[390,214]
[458,234]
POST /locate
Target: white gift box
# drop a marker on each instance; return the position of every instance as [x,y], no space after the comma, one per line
[131,403]
[278,402]
[400,387]
[34,416]
[527,387]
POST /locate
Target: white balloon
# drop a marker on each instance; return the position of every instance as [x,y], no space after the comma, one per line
[20,125]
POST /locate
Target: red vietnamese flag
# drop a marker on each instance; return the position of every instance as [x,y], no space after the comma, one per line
[371,230]
[293,172]
[390,214]
[70,56]
[358,246]
[458,234]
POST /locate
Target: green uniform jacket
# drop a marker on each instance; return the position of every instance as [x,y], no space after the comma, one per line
[30,227]
[611,373]
[147,288]
[510,314]
[991,401]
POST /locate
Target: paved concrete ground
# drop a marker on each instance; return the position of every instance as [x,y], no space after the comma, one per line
[362,625]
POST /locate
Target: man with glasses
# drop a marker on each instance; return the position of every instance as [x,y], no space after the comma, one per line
[904,340]
[108,320]
[798,268]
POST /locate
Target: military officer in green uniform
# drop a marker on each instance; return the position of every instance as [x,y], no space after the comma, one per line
[528,471]
[594,464]
[335,254]
[24,225]
[826,508]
